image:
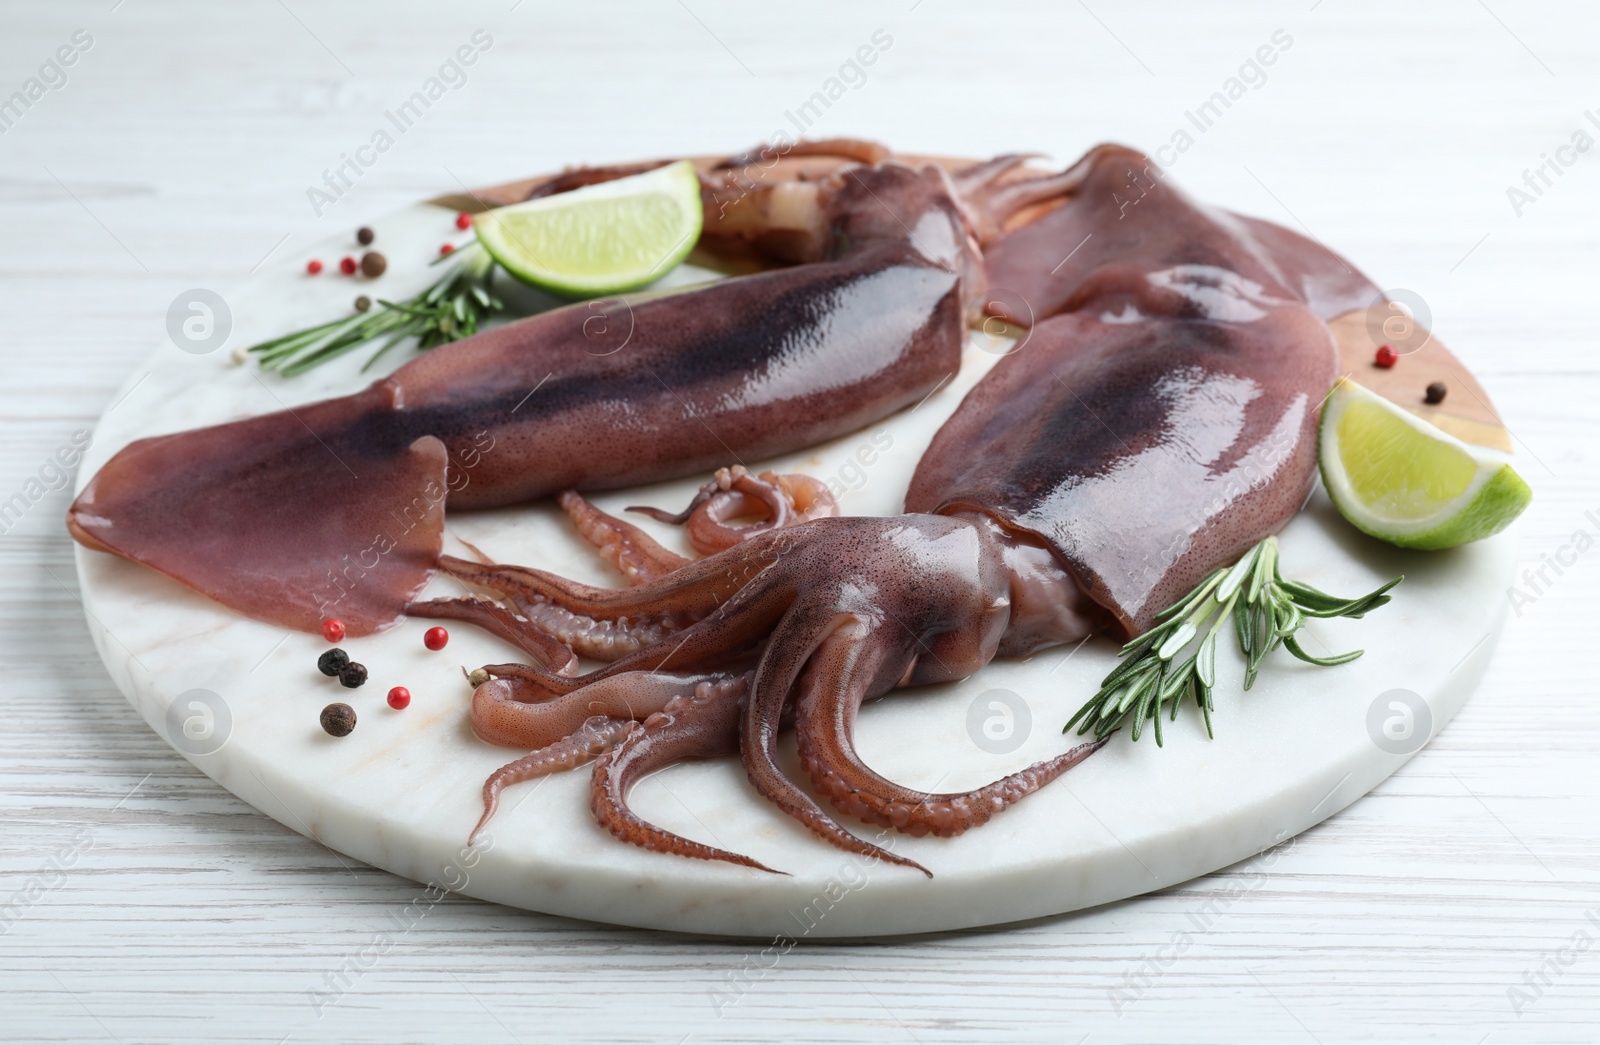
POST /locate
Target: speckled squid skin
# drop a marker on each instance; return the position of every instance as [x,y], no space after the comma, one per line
[1160,417]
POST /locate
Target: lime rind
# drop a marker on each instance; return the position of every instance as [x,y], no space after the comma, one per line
[1498,502]
[601,239]
[1486,503]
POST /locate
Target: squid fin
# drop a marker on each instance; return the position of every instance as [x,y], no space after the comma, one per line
[291,518]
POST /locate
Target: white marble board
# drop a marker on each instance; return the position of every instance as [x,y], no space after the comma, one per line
[402,791]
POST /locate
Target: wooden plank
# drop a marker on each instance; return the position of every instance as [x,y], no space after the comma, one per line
[192,134]
[1465,412]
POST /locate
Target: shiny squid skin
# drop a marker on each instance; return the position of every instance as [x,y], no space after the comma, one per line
[768,362]
[1160,418]
[336,509]
[1145,453]
[1124,208]
[1156,421]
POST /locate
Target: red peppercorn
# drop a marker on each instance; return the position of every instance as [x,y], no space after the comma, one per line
[313,267]
[435,638]
[333,630]
[446,249]
[1386,357]
[347,265]
[463,221]
[399,697]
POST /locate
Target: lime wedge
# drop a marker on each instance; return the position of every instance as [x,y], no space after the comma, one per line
[600,239]
[1402,480]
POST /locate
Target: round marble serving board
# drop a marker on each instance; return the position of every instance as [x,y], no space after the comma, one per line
[241,699]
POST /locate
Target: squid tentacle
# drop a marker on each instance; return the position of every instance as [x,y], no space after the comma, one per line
[515,712]
[634,553]
[693,591]
[555,631]
[795,640]
[567,730]
[702,726]
[1001,202]
[548,649]
[842,672]
[600,623]
[560,618]
[595,737]
[982,175]
[708,644]
[782,500]
[989,199]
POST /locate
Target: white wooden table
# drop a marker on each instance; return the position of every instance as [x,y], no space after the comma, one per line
[150,905]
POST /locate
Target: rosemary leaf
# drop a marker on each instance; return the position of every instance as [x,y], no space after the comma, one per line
[1141,710]
[1236,576]
[1177,640]
[452,307]
[1266,611]
[1266,559]
[1206,659]
[1179,677]
[1327,662]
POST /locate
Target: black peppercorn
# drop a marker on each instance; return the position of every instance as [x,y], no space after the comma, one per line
[333,662]
[363,303]
[365,235]
[352,675]
[1436,393]
[373,264]
[338,719]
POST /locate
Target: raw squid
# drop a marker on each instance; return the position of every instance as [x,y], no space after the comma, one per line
[1156,422]
[337,508]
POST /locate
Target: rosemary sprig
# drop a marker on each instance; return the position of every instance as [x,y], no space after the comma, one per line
[1266,611]
[450,309]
